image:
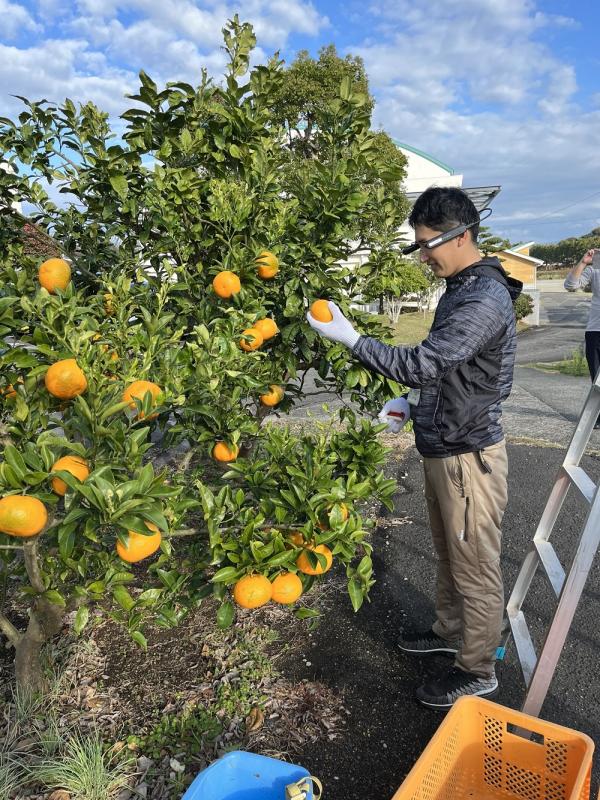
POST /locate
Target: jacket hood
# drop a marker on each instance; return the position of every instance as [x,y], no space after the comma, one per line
[492,268]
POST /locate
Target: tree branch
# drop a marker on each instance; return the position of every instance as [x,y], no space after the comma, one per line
[9,630]
[32,565]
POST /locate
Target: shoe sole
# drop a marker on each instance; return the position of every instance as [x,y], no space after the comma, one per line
[441,706]
[451,651]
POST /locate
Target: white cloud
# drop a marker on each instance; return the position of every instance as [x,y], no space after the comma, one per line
[15,18]
[105,43]
[54,70]
[473,83]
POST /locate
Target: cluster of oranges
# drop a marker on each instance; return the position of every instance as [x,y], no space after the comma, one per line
[226,284]
[255,590]
[24,516]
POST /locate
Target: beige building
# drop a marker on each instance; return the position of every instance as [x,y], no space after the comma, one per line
[520,265]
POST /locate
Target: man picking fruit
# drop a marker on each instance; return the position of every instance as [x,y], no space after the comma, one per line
[458,378]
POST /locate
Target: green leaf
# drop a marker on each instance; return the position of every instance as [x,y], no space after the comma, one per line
[119,184]
[139,638]
[123,598]
[150,596]
[285,557]
[66,540]
[114,409]
[356,593]
[225,614]
[16,461]
[345,88]
[307,613]
[225,575]
[365,568]
[81,619]
[54,597]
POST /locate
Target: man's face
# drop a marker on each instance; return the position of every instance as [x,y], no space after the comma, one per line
[446,259]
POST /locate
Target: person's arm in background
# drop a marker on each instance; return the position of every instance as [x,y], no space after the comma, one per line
[580,275]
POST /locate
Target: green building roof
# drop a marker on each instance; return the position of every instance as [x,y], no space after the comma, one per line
[433,160]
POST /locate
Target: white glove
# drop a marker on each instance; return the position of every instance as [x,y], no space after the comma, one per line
[395,414]
[338,330]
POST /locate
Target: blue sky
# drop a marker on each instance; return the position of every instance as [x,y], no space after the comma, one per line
[505,91]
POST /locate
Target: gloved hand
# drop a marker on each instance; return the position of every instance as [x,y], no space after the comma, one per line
[338,330]
[395,413]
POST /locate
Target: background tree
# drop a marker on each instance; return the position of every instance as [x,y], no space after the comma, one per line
[306,90]
[302,106]
[200,184]
[488,243]
[568,251]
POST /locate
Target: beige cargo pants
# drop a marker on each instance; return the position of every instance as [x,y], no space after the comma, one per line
[466,505]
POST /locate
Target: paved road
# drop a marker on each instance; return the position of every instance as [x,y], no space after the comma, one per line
[544,405]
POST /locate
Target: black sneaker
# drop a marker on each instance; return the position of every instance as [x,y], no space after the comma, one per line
[444,692]
[427,642]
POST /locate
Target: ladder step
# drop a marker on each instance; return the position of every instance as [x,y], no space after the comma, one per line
[523,643]
[582,481]
[550,562]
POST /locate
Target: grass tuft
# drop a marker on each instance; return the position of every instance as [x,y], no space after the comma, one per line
[85,769]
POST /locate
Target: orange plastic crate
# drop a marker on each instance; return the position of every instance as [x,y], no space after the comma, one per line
[476,753]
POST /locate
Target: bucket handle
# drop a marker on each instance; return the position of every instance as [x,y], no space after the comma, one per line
[300,789]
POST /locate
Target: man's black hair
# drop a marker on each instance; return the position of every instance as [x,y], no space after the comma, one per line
[442,208]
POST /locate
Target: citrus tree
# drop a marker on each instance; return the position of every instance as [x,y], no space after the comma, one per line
[192,239]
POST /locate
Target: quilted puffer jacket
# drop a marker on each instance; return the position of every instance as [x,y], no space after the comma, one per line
[464,368]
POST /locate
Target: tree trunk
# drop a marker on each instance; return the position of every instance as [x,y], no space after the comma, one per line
[45,621]
[381,307]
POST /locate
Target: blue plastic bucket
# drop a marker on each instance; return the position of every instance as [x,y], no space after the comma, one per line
[245,776]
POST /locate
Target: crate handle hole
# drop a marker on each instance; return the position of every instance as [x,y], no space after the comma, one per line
[524,733]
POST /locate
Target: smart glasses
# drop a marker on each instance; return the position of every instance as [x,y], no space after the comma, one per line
[447,236]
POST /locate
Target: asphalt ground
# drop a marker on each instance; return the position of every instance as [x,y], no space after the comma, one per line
[357,654]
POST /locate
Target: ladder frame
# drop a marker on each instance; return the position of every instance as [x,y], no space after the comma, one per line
[568,587]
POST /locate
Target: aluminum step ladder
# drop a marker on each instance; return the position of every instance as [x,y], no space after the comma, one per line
[568,587]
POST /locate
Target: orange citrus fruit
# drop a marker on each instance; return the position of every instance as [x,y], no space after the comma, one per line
[255,337]
[113,356]
[267,264]
[140,546]
[268,328]
[76,465]
[286,588]
[8,392]
[252,591]
[226,283]
[137,390]
[54,274]
[297,539]
[21,515]
[222,452]
[320,311]
[304,565]
[65,379]
[273,397]
[324,517]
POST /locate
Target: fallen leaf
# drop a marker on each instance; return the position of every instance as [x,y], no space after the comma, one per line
[254,720]
[60,794]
